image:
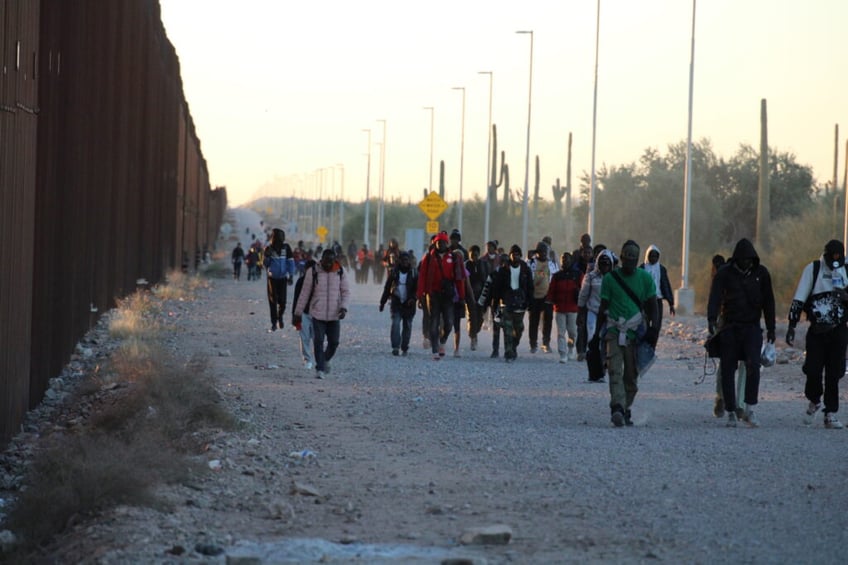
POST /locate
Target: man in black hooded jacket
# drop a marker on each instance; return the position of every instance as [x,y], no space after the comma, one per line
[741,292]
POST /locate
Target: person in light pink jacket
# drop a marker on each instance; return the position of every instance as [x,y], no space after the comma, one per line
[327,293]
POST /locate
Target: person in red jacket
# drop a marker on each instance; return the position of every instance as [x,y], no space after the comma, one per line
[562,293]
[441,282]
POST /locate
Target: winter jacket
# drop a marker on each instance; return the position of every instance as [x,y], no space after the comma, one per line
[739,298]
[502,293]
[284,255]
[331,293]
[435,267]
[590,289]
[817,297]
[664,291]
[564,290]
[390,290]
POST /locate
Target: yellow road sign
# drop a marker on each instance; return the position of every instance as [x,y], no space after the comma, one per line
[431,227]
[433,205]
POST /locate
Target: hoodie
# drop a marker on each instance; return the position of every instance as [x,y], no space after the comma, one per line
[740,297]
[660,276]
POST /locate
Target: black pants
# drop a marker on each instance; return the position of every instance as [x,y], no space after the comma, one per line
[825,351]
[741,343]
[441,319]
[277,296]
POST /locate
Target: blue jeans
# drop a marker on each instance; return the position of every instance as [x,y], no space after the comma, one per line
[401,328]
[330,329]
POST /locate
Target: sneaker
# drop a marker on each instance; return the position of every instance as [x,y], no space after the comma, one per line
[562,359]
[617,418]
[572,355]
[473,344]
[494,354]
[750,418]
[812,408]
[395,352]
[581,357]
[437,357]
[718,407]
[533,349]
[627,418]
[441,351]
[309,365]
[404,353]
[731,420]
[456,353]
[273,328]
[319,375]
[832,422]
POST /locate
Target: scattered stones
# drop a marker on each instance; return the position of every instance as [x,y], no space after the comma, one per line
[498,534]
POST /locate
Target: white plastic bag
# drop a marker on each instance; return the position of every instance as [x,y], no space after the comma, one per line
[768,355]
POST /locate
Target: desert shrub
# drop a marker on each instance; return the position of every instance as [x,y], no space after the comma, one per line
[146,414]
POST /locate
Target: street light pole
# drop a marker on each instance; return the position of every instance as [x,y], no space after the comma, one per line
[381,210]
[488,161]
[341,204]
[461,156]
[367,228]
[527,155]
[432,119]
[591,226]
[686,298]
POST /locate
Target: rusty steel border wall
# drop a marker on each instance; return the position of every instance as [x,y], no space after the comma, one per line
[102,178]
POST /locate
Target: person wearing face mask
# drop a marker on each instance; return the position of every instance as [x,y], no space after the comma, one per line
[325,295]
[512,290]
[821,294]
[628,300]
[740,294]
[401,286]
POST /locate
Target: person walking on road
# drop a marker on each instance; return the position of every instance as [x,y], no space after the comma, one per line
[512,290]
[660,275]
[822,296]
[401,288]
[441,281]
[541,311]
[279,265]
[303,323]
[741,293]
[562,294]
[326,293]
[237,260]
[626,293]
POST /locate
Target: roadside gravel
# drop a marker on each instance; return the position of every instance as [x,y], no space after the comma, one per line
[390,459]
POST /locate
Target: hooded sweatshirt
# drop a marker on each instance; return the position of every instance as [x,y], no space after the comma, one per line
[660,275]
[739,297]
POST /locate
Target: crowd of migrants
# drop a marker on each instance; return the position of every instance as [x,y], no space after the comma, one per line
[603,309]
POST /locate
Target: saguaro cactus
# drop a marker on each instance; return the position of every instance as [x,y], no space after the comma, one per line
[493,183]
[442,179]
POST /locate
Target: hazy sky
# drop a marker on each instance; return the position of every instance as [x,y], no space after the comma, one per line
[283,88]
